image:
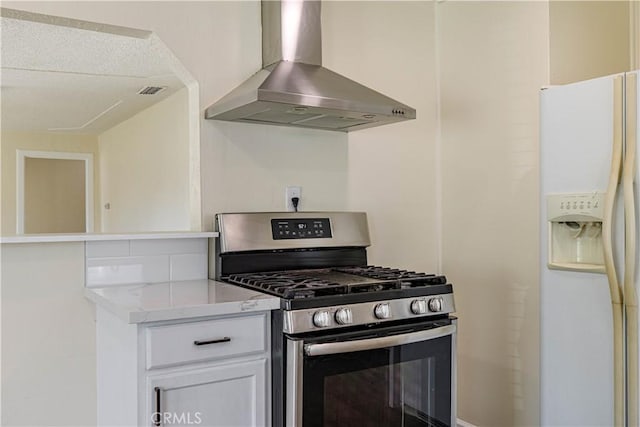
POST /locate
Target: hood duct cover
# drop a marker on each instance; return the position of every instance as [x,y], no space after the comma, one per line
[293,89]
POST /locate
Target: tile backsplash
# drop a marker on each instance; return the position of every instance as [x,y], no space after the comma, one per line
[117,262]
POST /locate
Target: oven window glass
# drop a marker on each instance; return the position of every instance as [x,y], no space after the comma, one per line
[407,385]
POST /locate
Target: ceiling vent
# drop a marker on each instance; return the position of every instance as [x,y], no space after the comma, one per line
[151,90]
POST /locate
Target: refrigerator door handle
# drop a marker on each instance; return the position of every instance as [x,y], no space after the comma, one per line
[630,293]
[607,243]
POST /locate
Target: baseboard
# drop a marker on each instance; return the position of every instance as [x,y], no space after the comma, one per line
[462,423]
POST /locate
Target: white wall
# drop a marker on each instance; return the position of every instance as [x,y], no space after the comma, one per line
[249,166]
[48,337]
[144,169]
[493,61]
[392,170]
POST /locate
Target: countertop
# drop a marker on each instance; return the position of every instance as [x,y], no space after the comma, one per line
[88,237]
[140,303]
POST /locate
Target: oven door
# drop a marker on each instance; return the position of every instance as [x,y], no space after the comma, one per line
[392,377]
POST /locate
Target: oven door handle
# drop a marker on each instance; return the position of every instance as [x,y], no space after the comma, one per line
[373,343]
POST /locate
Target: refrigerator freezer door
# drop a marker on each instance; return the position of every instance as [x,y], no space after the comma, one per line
[576,318]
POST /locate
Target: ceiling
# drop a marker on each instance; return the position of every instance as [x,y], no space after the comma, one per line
[65,75]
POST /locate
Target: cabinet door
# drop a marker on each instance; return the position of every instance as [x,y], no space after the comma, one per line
[228,395]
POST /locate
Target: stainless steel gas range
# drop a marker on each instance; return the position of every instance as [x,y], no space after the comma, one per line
[352,344]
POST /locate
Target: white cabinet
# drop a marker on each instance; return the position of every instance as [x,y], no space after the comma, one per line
[208,372]
[225,395]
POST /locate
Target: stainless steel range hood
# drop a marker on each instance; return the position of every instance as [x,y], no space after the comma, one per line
[293,89]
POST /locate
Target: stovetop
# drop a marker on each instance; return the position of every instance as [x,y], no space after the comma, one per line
[316,263]
[340,285]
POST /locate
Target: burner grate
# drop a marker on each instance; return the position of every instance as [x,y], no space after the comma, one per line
[313,283]
[406,277]
[289,284]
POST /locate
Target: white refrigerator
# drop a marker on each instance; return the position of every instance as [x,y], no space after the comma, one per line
[589,231]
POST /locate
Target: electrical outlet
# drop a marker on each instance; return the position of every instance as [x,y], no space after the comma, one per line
[290,192]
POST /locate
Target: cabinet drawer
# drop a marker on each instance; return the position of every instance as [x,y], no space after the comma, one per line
[206,340]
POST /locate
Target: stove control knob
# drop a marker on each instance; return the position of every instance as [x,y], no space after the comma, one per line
[321,319]
[382,311]
[419,306]
[435,304]
[344,316]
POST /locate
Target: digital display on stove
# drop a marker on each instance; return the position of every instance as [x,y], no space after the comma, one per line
[301,228]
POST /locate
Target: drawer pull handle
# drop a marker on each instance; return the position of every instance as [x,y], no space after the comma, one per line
[215,341]
[157,416]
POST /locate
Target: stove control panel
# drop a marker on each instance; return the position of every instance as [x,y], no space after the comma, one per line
[300,228]
[314,319]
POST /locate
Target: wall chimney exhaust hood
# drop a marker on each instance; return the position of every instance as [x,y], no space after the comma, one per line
[293,89]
